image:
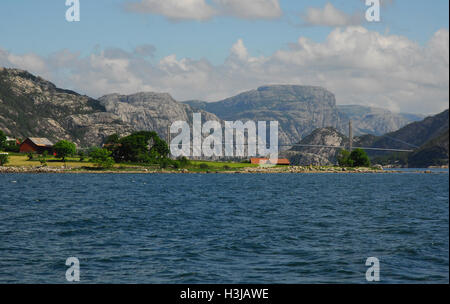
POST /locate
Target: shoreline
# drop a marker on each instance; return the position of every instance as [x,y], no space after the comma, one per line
[289,170]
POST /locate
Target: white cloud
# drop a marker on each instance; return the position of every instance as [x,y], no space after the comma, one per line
[358,65]
[200,10]
[175,9]
[330,16]
[250,9]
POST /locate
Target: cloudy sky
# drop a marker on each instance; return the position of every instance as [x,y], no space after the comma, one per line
[212,49]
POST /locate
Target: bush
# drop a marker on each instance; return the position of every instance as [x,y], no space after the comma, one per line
[358,158]
[2,140]
[183,162]
[204,166]
[102,158]
[4,159]
[43,158]
[81,155]
[30,156]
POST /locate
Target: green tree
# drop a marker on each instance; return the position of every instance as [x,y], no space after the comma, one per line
[81,155]
[142,147]
[4,159]
[360,158]
[64,148]
[102,158]
[2,140]
[344,159]
[112,139]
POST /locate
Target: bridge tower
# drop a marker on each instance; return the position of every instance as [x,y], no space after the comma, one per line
[350,136]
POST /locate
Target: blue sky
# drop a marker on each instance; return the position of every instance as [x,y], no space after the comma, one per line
[35,34]
[40,26]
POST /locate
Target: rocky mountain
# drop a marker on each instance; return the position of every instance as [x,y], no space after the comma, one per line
[429,138]
[32,106]
[376,121]
[435,152]
[151,111]
[317,156]
[302,109]
[298,109]
[412,135]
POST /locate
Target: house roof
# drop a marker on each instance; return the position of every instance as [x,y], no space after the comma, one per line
[279,161]
[41,142]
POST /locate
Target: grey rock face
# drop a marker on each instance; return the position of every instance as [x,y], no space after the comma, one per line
[317,156]
[376,121]
[32,106]
[298,109]
[151,111]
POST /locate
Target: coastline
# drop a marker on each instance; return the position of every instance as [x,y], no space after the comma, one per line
[258,170]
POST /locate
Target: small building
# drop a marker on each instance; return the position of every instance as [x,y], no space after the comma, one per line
[36,145]
[12,140]
[264,161]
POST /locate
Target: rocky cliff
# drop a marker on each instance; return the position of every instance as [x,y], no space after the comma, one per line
[32,106]
[151,111]
[298,109]
[302,109]
[317,156]
[375,121]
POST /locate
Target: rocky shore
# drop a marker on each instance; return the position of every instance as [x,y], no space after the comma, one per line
[255,170]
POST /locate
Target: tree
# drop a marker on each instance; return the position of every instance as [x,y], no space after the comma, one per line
[112,139]
[360,158]
[142,147]
[4,159]
[344,159]
[64,148]
[102,158]
[2,140]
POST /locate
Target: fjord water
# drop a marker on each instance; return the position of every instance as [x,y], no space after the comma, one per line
[204,228]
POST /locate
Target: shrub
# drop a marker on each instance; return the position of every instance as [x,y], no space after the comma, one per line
[30,156]
[204,166]
[102,158]
[360,158]
[2,140]
[4,159]
[357,158]
[81,155]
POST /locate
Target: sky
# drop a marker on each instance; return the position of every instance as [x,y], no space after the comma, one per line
[213,49]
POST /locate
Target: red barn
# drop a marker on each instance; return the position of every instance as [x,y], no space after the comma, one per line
[262,161]
[36,145]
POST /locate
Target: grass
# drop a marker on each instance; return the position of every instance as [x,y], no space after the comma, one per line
[221,165]
[21,160]
[18,160]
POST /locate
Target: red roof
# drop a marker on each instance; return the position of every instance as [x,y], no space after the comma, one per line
[279,161]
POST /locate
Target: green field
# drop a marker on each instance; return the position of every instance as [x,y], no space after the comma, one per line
[21,160]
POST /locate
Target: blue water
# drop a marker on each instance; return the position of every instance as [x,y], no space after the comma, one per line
[214,228]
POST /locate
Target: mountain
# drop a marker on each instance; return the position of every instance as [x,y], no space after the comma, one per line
[414,134]
[429,137]
[32,106]
[302,109]
[433,153]
[317,156]
[151,111]
[298,109]
[376,121]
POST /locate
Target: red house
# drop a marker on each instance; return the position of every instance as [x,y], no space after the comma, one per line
[36,145]
[262,161]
